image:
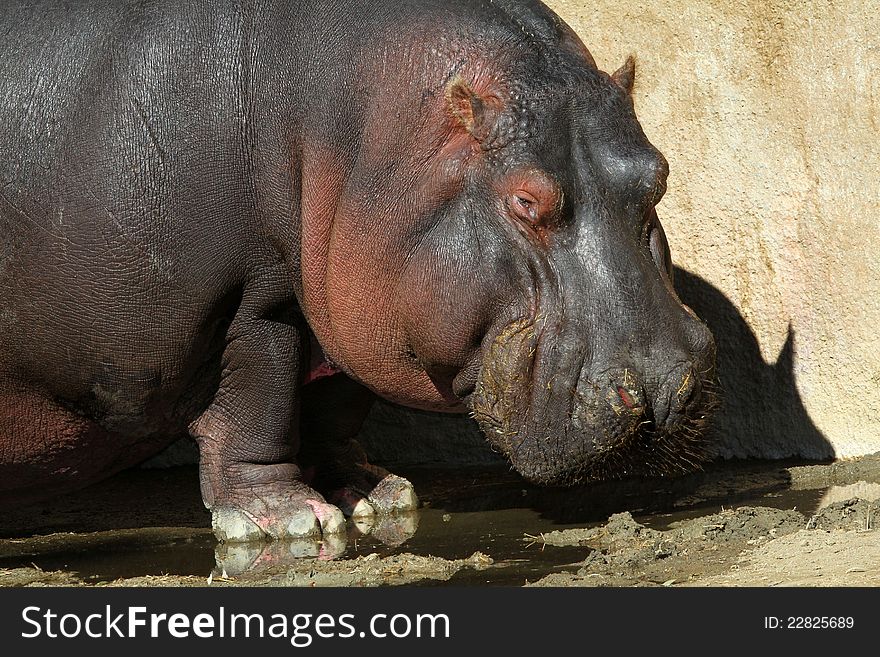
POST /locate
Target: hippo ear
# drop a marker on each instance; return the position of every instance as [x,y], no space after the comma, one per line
[475,113]
[625,76]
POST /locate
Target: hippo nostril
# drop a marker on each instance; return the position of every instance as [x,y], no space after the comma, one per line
[676,393]
[629,393]
[689,389]
[627,399]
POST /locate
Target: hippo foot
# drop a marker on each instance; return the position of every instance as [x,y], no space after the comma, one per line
[392,494]
[300,513]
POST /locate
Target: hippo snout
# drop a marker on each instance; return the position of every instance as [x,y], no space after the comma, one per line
[625,420]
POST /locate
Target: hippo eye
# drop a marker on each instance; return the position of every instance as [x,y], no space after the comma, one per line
[532,199]
[525,206]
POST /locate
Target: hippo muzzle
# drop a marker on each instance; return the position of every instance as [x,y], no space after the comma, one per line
[572,425]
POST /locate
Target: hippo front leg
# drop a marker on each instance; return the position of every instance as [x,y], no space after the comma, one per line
[248,437]
[334,409]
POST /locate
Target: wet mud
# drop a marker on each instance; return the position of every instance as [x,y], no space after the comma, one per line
[735,524]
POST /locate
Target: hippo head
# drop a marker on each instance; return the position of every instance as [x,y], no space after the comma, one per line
[602,371]
[592,366]
[535,288]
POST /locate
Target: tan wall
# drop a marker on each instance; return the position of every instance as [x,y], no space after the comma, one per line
[768,113]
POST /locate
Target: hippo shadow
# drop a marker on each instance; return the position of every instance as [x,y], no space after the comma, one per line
[762,414]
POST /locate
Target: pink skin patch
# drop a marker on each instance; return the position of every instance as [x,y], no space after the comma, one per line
[262,522]
[319,365]
[320,509]
[625,397]
[322,370]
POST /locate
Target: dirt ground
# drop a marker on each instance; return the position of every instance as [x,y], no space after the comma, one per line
[835,543]
[736,524]
[745,546]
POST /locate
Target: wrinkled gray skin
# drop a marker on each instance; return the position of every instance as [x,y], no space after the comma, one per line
[205,205]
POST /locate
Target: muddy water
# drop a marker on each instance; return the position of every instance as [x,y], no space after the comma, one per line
[151,523]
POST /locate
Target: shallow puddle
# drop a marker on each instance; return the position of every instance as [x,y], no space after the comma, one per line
[108,556]
[465,512]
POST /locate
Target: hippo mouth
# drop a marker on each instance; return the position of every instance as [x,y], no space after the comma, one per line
[583,431]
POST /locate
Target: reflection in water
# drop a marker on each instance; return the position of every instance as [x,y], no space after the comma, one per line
[391,531]
[865,490]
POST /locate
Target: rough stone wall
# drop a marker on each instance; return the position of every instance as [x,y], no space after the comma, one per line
[769,114]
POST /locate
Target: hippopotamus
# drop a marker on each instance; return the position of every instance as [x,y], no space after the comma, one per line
[243,221]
